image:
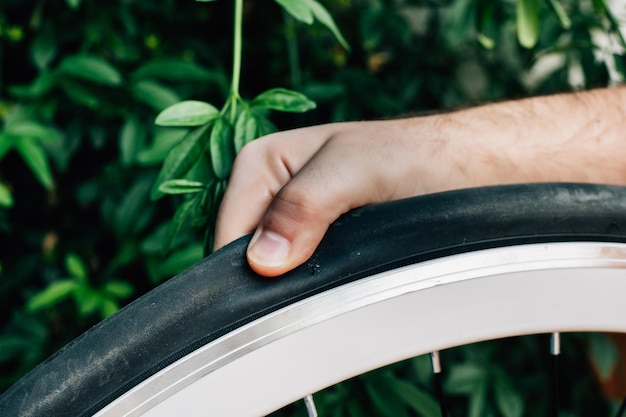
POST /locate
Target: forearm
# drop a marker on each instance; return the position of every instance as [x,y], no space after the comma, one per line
[297,183]
[572,137]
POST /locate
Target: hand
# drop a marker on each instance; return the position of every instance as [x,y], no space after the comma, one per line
[291,186]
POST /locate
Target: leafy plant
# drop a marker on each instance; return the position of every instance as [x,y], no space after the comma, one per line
[216,136]
[88,298]
[81,85]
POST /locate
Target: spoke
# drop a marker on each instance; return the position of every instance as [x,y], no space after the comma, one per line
[310,406]
[434,359]
[555,351]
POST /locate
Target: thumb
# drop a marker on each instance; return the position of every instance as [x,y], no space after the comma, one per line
[343,174]
[289,232]
[299,215]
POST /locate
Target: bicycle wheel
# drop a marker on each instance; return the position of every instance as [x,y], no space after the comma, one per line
[219,340]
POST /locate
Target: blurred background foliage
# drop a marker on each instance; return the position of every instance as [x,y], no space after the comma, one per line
[82,82]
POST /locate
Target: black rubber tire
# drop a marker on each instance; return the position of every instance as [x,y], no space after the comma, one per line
[221,293]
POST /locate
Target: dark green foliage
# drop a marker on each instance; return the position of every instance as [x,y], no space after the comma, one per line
[508,378]
[83,165]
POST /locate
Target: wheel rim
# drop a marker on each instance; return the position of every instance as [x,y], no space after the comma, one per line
[363,325]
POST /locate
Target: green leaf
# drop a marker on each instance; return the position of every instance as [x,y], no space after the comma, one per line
[76,267]
[44,50]
[282,99]
[205,201]
[6,144]
[299,9]
[182,157]
[325,91]
[187,113]
[132,136]
[599,6]
[12,347]
[182,212]
[175,70]
[44,82]
[245,129]
[153,243]
[134,211]
[154,94]
[486,28]
[527,22]
[33,154]
[126,255]
[60,147]
[222,148]
[604,354]
[384,400]
[560,12]
[463,378]
[419,401]
[422,369]
[30,129]
[307,11]
[108,308]
[321,14]
[53,294]
[219,188]
[485,41]
[6,199]
[264,125]
[509,401]
[90,68]
[74,4]
[164,140]
[181,187]
[79,93]
[87,300]
[478,400]
[460,20]
[118,289]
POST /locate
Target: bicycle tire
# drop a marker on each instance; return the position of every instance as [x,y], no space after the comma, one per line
[221,294]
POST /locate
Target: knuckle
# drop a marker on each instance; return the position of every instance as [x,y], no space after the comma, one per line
[300,204]
[250,158]
[258,151]
[251,151]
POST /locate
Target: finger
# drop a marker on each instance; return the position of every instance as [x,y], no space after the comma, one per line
[330,184]
[254,181]
[260,170]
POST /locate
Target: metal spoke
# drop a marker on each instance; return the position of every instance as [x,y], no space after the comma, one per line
[555,351]
[436,363]
[310,406]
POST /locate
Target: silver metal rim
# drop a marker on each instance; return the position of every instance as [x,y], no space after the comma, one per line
[343,332]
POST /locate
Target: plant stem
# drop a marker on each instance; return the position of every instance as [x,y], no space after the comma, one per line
[292,51]
[234,91]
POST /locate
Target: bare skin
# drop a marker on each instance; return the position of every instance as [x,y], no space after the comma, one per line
[290,186]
